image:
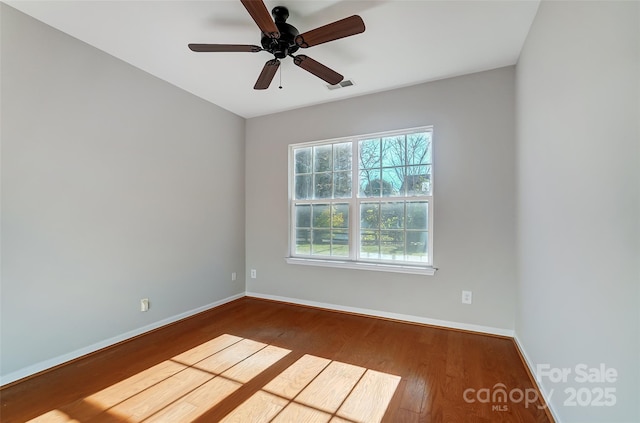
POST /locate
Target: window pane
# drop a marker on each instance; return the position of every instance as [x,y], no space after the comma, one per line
[340,216]
[419,148]
[417,215]
[323,188]
[321,242]
[369,216]
[303,160]
[342,156]
[303,187]
[369,151]
[340,243]
[418,180]
[370,183]
[392,245]
[369,245]
[342,184]
[392,182]
[321,216]
[417,246]
[340,237]
[392,215]
[393,151]
[303,241]
[322,158]
[303,216]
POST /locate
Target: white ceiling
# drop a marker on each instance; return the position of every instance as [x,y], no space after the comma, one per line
[405,43]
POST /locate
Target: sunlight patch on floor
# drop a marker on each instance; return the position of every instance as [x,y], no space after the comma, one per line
[316,389]
[262,407]
[183,388]
[54,416]
[179,389]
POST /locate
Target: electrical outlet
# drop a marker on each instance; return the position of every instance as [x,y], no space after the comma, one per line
[234,276]
[253,273]
[144,304]
[467,297]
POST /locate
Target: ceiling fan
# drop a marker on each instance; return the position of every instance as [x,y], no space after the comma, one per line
[282,40]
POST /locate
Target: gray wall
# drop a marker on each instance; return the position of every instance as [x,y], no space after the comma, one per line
[579,199]
[474,247]
[115,186]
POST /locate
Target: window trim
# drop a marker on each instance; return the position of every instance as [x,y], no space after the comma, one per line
[353,261]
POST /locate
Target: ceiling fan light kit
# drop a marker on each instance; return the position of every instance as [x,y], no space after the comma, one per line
[282,39]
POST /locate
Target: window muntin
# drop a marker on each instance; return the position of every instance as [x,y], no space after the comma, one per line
[364,199]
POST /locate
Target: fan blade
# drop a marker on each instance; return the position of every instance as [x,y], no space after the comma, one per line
[261,16]
[318,69]
[224,48]
[266,76]
[339,29]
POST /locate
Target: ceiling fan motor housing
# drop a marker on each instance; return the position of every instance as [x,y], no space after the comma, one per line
[285,45]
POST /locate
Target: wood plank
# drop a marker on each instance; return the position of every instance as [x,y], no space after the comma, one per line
[401,415]
[102,401]
[299,413]
[54,416]
[260,408]
[196,402]
[206,349]
[296,377]
[255,364]
[413,392]
[368,401]
[327,391]
[229,357]
[132,386]
[159,396]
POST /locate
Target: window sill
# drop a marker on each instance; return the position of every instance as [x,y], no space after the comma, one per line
[378,267]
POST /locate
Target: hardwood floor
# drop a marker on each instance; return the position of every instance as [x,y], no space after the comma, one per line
[253,360]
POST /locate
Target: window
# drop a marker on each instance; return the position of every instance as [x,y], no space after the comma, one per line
[364,202]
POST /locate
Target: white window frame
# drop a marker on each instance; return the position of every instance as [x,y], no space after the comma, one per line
[354,261]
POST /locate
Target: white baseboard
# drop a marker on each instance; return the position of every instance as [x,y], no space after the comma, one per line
[546,396]
[56,361]
[387,315]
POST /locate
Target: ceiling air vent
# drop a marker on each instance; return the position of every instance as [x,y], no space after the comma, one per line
[345,83]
